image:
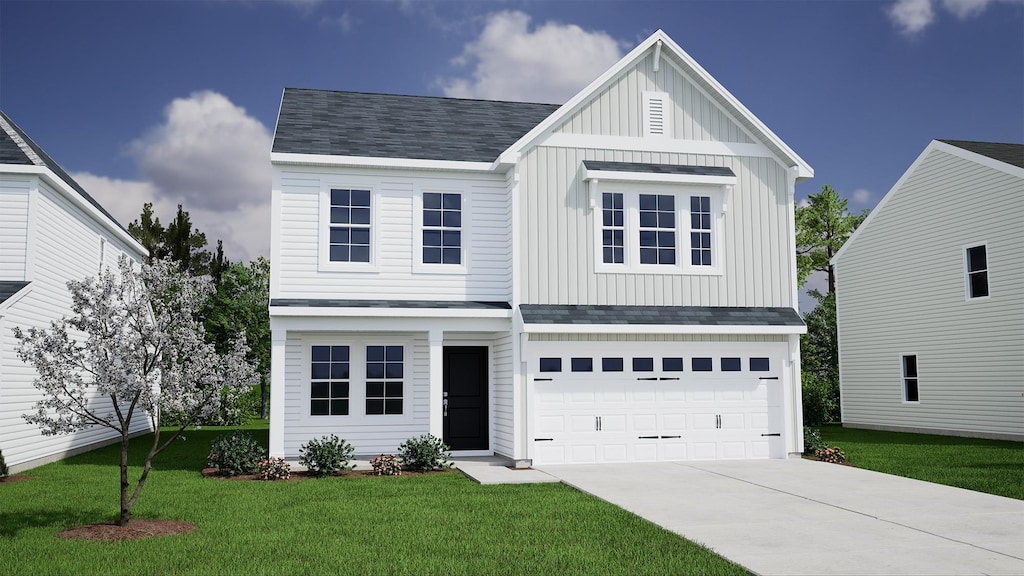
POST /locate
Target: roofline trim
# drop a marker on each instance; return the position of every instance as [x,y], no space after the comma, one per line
[509,155]
[71,194]
[703,147]
[295,159]
[662,329]
[620,176]
[363,312]
[934,145]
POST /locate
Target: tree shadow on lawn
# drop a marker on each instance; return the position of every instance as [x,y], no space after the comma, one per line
[188,452]
[11,523]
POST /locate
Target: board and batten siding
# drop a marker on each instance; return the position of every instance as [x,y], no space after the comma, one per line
[617,110]
[901,290]
[14,193]
[368,436]
[65,246]
[296,272]
[558,240]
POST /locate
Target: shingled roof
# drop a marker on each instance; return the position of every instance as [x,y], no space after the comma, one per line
[1012,154]
[409,127]
[659,315]
[17,148]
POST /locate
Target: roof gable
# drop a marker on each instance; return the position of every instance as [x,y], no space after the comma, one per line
[358,124]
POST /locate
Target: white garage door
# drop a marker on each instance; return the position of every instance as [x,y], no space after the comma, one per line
[608,407]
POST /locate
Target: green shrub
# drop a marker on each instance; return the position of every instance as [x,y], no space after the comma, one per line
[326,455]
[274,469]
[820,399]
[235,453]
[4,471]
[386,465]
[812,440]
[424,453]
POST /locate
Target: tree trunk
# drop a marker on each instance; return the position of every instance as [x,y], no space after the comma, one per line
[126,508]
[831,280]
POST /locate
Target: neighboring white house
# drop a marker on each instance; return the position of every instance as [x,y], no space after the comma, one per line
[930,298]
[608,280]
[51,231]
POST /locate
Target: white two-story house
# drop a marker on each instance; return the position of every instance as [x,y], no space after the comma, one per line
[608,280]
[51,231]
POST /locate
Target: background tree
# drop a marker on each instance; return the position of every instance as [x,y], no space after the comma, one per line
[144,351]
[822,227]
[179,241]
[149,232]
[240,305]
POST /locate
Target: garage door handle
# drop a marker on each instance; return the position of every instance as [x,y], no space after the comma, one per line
[648,437]
[768,378]
[668,378]
[543,439]
[646,378]
[775,434]
[671,436]
[542,379]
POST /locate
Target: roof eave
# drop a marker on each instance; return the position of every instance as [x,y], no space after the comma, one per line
[296,159]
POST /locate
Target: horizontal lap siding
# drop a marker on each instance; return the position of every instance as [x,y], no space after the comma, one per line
[366,437]
[503,410]
[559,242]
[13,227]
[65,247]
[901,291]
[489,235]
[617,110]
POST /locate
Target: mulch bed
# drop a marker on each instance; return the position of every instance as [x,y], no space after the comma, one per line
[108,531]
[296,476]
[14,478]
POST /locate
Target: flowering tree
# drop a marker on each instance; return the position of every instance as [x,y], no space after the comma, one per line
[133,348]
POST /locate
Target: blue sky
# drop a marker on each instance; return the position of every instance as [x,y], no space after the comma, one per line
[176,101]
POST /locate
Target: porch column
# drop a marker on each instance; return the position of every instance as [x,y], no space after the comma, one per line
[436,361]
[278,337]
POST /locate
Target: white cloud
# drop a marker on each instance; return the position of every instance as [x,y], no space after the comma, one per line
[862,196]
[912,16]
[210,157]
[343,21]
[966,8]
[547,64]
[803,203]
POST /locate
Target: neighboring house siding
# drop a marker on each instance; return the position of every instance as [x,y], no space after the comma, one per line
[617,110]
[901,290]
[14,193]
[297,273]
[558,242]
[65,246]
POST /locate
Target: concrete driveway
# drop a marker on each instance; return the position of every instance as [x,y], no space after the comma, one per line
[802,517]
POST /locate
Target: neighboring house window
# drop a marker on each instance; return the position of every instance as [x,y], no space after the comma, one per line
[657,229]
[329,381]
[385,374]
[700,230]
[909,362]
[977,272]
[442,228]
[613,228]
[349,225]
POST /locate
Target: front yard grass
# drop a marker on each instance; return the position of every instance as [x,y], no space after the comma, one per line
[992,466]
[435,524]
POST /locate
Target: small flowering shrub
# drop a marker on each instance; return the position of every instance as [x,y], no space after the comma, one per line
[830,454]
[326,455]
[4,471]
[274,469]
[424,453]
[386,465]
[812,440]
[235,453]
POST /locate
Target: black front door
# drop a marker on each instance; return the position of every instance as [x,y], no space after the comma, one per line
[465,397]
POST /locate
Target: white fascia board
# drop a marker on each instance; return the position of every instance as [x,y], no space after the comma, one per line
[659,329]
[282,158]
[702,147]
[75,198]
[328,312]
[379,324]
[617,176]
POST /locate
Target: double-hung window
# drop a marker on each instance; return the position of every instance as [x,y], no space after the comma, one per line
[976,261]
[700,231]
[385,374]
[442,228]
[613,231]
[908,366]
[329,381]
[350,225]
[657,229]
[357,380]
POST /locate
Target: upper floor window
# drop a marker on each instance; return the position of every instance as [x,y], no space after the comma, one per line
[350,227]
[700,230]
[657,229]
[909,368]
[976,259]
[613,219]
[442,228]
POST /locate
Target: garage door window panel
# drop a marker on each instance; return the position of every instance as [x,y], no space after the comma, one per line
[702,364]
[611,365]
[582,364]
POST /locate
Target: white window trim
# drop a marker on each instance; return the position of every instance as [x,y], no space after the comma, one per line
[903,378]
[420,267]
[357,381]
[967,272]
[631,204]
[324,226]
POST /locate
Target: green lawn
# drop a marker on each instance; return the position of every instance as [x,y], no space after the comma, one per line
[992,466]
[439,524]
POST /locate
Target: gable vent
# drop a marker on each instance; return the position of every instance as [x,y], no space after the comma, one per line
[656,110]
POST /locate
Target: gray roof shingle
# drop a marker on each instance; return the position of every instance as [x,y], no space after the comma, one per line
[338,303]
[659,315]
[9,288]
[7,145]
[393,126]
[658,168]
[1012,154]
